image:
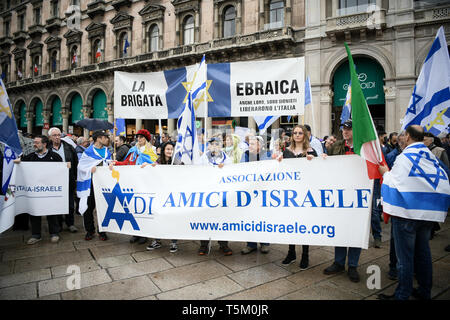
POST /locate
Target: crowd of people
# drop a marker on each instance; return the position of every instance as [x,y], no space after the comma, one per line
[219,149]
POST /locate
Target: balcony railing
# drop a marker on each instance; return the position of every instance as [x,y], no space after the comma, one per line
[432,13]
[198,48]
[365,20]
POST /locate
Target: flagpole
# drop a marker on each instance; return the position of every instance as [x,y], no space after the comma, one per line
[115,132]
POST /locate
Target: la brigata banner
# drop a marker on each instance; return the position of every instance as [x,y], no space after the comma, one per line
[236,89]
[292,202]
[36,188]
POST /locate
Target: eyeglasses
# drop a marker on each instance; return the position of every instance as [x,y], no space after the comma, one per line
[298,133]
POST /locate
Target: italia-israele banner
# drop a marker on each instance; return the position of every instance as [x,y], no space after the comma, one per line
[291,202]
[236,89]
[36,188]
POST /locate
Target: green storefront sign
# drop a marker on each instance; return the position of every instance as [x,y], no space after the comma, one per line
[39,120]
[371,77]
[57,119]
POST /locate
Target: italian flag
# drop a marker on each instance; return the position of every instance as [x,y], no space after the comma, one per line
[365,137]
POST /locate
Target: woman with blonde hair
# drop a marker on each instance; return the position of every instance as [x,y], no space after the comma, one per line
[232,148]
[299,148]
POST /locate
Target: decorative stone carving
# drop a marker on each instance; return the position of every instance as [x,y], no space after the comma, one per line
[95,29]
[122,20]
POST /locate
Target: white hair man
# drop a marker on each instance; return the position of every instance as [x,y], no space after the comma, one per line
[68,154]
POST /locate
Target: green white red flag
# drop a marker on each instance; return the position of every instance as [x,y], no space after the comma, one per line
[365,137]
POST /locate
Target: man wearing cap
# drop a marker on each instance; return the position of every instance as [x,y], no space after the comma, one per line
[141,153]
[96,155]
[345,147]
[215,156]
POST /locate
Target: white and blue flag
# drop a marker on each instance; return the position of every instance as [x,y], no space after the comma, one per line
[417,187]
[187,148]
[89,159]
[429,105]
[9,136]
[264,122]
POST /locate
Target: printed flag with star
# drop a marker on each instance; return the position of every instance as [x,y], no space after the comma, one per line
[8,136]
[429,105]
[365,138]
[187,149]
[198,85]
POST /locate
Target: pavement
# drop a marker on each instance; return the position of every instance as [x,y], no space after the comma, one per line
[75,269]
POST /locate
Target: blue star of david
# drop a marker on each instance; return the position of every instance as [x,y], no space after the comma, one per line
[120,217]
[417,171]
[416,98]
[9,155]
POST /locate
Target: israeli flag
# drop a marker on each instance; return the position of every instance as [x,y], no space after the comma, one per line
[264,122]
[347,109]
[430,100]
[187,150]
[89,159]
[9,136]
[416,187]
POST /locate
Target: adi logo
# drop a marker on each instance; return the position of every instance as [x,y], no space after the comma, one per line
[124,204]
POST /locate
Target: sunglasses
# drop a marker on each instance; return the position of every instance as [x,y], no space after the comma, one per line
[298,133]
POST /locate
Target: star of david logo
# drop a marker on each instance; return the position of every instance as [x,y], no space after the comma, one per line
[9,155]
[188,86]
[185,149]
[416,98]
[417,170]
[122,197]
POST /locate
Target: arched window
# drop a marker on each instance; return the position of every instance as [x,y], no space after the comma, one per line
[124,45]
[20,69]
[229,22]
[276,14]
[188,30]
[74,57]
[54,61]
[36,66]
[5,72]
[154,38]
[97,51]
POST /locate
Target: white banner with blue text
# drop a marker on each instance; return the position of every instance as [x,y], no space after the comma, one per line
[325,202]
[235,89]
[36,188]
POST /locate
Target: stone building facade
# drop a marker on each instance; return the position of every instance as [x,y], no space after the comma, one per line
[389,40]
[58,57]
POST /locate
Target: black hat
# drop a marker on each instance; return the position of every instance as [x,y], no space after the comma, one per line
[214,139]
[99,133]
[347,124]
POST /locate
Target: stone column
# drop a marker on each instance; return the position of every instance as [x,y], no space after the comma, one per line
[46,116]
[208,124]
[110,109]
[390,95]
[171,126]
[138,124]
[334,8]
[30,117]
[216,21]
[326,100]
[65,117]
[251,123]
[86,109]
